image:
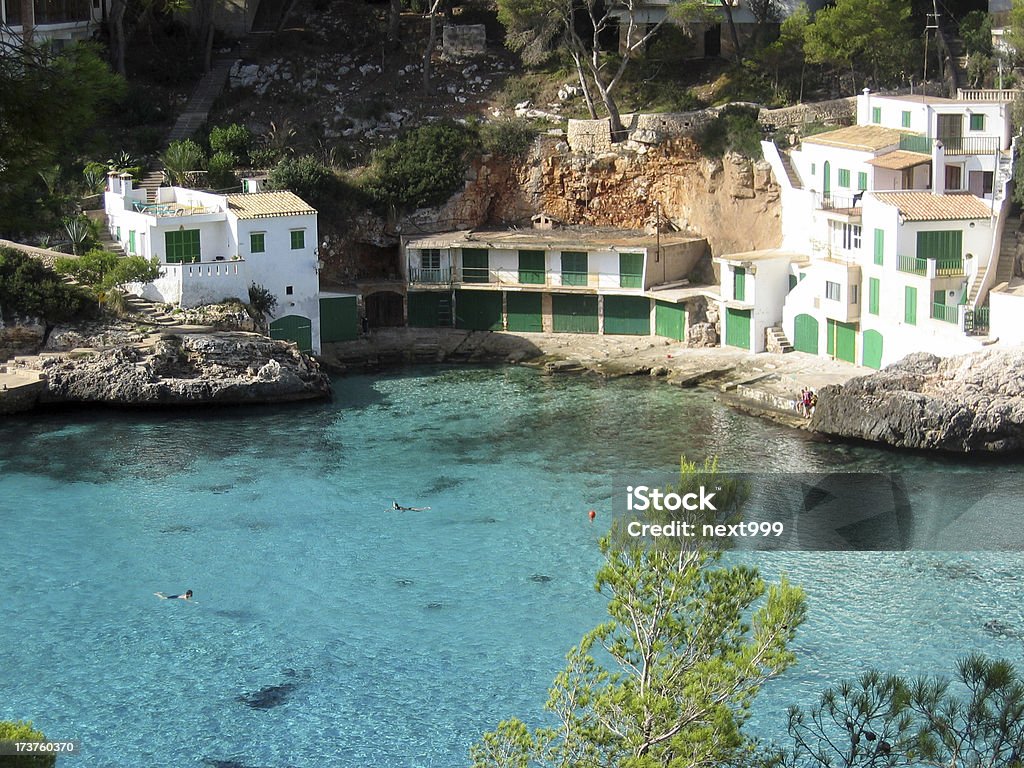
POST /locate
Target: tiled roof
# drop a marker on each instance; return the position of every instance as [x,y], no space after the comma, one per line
[900,160]
[866,138]
[924,206]
[265,205]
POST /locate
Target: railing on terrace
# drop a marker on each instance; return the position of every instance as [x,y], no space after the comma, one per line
[524,277]
[170,209]
[947,313]
[430,276]
[970,145]
[953,267]
[830,201]
[913,265]
[912,143]
[987,94]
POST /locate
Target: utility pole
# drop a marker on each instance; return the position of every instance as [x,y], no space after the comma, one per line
[932,23]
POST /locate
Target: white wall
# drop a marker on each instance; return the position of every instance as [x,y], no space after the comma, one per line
[1006,318]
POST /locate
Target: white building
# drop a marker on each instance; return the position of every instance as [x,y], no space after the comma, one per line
[58,22]
[212,247]
[891,235]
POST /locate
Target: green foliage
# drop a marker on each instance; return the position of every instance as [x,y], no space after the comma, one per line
[507,138]
[80,232]
[422,168]
[222,171]
[49,104]
[28,288]
[233,139]
[735,129]
[262,304]
[22,730]
[181,160]
[870,38]
[103,271]
[306,176]
[94,175]
[976,32]
[785,58]
[669,679]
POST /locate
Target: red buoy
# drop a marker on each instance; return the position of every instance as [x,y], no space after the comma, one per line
[592,514]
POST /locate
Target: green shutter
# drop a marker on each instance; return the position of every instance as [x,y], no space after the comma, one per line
[737,328]
[631,270]
[792,282]
[910,305]
[862,180]
[739,284]
[131,242]
[257,242]
[874,288]
[182,246]
[879,247]
[872,354]
[524,312]
[670,320]
[977,122]
[905,119]
[876,115]
[946,244]
[298,237]
[475,265]
[574,268]
[571,313]
[627,315]
[531,267]
[844,178]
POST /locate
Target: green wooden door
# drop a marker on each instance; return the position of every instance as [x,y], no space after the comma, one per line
[525,312]
[631,270]
[475,265]
[872,354]
[910,305]
[573,314]
[293,328]
[627,315]
[737,328]
[841,341]
[339,319]
[425,308]
[826,188]
[478,310]
[946,244]
[131,242]
[531,267]
[739,283]
[574,268]
[670,320]
[805,334]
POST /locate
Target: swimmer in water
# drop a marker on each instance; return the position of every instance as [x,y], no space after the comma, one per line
[399,508]
[186,596]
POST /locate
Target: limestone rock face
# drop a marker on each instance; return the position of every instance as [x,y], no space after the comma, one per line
[702,335]
[186,369]
[23,337]
[969,403]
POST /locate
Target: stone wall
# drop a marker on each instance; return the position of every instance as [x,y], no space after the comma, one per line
[589,135]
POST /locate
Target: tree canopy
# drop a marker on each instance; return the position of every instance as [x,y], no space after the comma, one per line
[29,288]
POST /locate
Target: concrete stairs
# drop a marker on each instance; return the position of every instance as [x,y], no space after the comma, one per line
[794,177]
[1007,252]
[151,183]
[776,340]
[148,311]
[979,279]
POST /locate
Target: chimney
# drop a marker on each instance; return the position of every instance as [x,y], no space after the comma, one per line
[864,107]
[938,168]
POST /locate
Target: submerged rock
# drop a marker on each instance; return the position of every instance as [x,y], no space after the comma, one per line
[969,403]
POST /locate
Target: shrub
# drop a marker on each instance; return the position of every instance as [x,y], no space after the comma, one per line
[27,287]
[181,159]
[263,157]
[507,138]
[22,730]
[235,139]
[305,176]
[735,129]
[222,171]
[424,167]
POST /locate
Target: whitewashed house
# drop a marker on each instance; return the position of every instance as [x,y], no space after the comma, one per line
[891,234]
[58,23]
[213,247]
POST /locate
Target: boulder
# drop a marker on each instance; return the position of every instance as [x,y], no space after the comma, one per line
[966,404]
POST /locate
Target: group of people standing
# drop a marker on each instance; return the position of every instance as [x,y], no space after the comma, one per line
[807,402]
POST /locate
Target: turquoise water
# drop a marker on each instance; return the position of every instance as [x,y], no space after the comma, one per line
[328,630]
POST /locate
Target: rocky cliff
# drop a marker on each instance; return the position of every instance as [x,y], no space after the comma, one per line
[184,369]
[969,403]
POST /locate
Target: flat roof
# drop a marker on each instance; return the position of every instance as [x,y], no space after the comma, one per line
[866,138]
[679,295]
[766,254]
[925,206]
[916,98]
[900,160]
[265,205]
[562,237]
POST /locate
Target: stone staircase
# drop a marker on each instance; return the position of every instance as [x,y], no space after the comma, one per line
[148,311]
[794,177]
[979,280]
[151,182]
[776,341]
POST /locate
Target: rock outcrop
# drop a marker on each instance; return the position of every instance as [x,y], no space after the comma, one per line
[191,369]
[969,403]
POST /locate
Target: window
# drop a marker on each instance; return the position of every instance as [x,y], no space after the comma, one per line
[288,290]
[430,258]
[910,305]
[850,235]
[739,284]
[574,268]
[876,115]
[257,242]
[854,294]
[475,265]
[874,289]
[953,177]
[844,178]
[531,267]
[977,122]
[631,270]
[905,118]
[182,246]
[832,290]
[986,184]
[298,239]
[862,181]
[814,168]
[879,246]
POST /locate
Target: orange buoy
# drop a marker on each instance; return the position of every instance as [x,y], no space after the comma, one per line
[592,514]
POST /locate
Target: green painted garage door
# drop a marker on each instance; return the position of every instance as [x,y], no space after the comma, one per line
[293,328]
[339,319]
[428,308]
[872,354]
[524,312]
[627,315]
[478,310]
[573,314]
[737,328]
[842,341]
[670,320]
[805,334]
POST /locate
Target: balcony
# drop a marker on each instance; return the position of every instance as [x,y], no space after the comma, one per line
[438,276]
[947,313]
[529,278]
[913,265]
[846,204]
[970,145]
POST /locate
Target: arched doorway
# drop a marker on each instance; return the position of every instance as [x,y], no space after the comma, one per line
[872,355]
[805,334]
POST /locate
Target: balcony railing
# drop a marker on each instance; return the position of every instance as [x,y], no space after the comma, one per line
[912,143]
[525,277]
[970,145]
[913,265]
[830,201]
[430,276]
[953,267]
[947,313]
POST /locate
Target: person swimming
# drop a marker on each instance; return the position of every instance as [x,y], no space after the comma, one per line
[399,508]
[186,596]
